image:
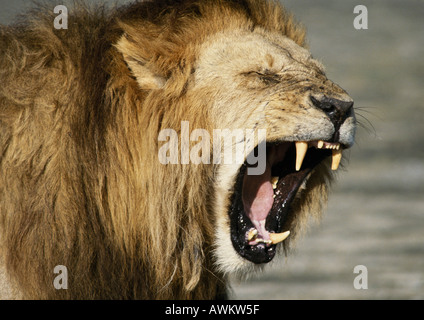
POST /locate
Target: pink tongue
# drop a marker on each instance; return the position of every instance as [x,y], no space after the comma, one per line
[258,195]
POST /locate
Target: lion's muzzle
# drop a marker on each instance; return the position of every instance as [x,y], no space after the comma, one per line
[337,110]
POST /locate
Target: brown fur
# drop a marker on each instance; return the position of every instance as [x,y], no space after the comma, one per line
[80,180]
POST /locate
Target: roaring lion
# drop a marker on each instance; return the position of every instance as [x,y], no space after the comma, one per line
[82,110]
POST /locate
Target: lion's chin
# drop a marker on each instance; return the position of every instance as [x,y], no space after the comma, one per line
[260,205]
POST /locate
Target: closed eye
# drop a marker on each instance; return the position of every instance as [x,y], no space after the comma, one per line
[267,77]
[270,78]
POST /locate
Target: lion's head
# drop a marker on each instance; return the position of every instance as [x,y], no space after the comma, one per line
[264,80]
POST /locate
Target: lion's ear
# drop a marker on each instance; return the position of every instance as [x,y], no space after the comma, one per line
[139,67]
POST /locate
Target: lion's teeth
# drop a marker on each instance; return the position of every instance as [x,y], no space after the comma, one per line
[301,149]
[274,181]
[337,158]
[278,237]
[263,241]
[253,233]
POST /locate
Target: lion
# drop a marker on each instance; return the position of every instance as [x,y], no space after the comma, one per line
[81,112]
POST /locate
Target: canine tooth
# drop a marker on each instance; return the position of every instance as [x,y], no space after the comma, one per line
[301,149]
[320,144]
[337,158]
[274,181]
[253,233]
[279,237]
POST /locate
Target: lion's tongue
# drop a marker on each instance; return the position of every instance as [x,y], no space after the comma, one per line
[258,198]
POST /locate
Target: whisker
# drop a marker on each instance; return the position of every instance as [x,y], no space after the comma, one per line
[367,110]
[366,124]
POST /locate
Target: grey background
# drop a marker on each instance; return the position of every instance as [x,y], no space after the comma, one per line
[375,216]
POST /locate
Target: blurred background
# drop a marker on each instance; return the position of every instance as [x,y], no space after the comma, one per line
[375,215]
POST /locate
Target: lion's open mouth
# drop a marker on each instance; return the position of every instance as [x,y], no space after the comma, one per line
[260,205]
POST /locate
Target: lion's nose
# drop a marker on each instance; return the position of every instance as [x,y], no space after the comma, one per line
[337,110]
